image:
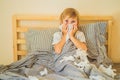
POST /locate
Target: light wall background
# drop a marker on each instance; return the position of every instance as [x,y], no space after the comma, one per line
[86,7]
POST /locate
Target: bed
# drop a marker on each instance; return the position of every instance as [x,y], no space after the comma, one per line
[52,22]
[32,36]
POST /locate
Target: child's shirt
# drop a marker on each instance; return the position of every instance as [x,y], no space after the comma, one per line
[58,35]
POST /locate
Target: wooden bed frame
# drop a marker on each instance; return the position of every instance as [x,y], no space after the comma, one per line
[18,29]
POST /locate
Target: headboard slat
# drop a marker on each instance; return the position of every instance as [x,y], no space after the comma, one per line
[21,41]
[22,52]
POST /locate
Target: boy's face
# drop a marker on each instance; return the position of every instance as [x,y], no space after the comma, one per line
[67,20]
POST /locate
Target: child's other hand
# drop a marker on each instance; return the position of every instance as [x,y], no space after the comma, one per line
[73,30]
[64,29]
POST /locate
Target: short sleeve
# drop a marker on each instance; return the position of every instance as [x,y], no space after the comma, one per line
[80,36]
[56,37]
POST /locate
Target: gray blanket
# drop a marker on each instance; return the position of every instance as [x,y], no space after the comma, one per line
[31,65]
[67,68]
[35,62]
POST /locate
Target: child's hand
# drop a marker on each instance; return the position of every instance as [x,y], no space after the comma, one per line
[64,29]
[73,30]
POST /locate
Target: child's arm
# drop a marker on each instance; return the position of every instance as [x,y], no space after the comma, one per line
[58,46]
[77,42]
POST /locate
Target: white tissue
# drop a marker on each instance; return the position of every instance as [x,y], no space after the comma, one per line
[69,29]
[44,72]
[97,77]
[68,58]
[81,64]
[32,78]
[70,26]
[82,55]
[109,71]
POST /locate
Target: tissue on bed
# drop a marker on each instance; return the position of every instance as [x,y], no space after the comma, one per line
[109,71]
[44,72]
[32,78]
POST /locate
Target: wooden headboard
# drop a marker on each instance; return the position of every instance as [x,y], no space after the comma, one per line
[21,23]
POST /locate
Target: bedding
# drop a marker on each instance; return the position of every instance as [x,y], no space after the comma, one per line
[34,63]
[95,34]
[41,63]
[68,68]
[31,65]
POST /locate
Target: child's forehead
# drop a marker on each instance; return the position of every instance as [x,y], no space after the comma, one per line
[68,17]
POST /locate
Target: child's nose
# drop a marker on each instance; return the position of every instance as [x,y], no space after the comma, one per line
[69,22]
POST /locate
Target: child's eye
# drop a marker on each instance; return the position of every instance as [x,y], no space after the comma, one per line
[66,21]
[72,21]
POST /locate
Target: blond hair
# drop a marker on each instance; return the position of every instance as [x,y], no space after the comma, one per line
[71,13]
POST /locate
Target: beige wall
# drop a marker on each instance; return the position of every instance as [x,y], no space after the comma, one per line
[86,7]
